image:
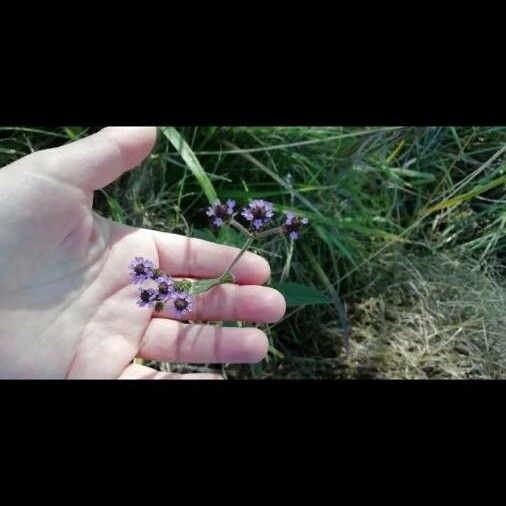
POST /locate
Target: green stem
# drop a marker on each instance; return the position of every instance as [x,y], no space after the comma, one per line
[241,229]
[272,231]
[245,246]
[204,285]
[288,263]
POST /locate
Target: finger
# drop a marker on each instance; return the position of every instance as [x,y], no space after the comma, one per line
[172,341]
[182,256]
[229,302]
[137,371]
[95,161]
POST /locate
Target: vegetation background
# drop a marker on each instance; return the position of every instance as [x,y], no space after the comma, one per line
[402,262]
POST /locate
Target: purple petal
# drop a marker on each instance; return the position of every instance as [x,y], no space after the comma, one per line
[247,214]
[230,206]
[258,224]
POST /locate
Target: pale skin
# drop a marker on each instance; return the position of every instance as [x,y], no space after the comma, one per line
[67,308]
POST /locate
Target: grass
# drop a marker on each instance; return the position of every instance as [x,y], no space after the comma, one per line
[407,237]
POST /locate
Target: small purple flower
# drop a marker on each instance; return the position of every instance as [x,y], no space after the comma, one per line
[183,302]
[293,224]
[258,213]
[140,270]
[165,287]
[147,297]
[220,212]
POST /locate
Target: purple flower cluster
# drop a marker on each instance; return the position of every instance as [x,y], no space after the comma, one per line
[219,212]
[293,224]
[258,212]
[164,290]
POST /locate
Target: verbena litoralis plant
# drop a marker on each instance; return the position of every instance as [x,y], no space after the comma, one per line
[163,292]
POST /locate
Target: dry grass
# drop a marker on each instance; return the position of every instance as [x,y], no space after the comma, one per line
[421,317]
[430,317]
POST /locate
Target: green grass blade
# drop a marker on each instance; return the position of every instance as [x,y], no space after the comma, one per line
[276,178]
[191,161]
[336,299]
[49,133]
[464,197]
[292,145]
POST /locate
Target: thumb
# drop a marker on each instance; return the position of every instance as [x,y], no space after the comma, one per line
[99,159]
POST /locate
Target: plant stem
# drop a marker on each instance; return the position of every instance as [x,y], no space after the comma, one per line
[204,285]
[256,235]
[288,263]
[271,231]
[241,229]
[245,246]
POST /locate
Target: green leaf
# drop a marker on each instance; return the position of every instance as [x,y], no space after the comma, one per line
[191,161]
[297,294]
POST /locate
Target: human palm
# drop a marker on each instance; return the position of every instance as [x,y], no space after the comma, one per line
[67,307]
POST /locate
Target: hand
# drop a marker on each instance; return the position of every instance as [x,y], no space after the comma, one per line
[67,308]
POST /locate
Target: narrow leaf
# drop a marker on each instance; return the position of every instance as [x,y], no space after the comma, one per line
[191,161]
[297,294]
